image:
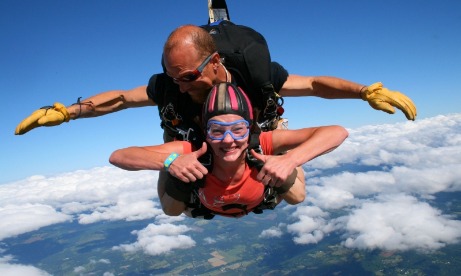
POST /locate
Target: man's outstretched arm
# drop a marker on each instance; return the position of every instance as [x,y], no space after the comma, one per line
[376,95]
[97,105]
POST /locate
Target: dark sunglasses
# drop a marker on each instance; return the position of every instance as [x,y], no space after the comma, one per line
[196,73]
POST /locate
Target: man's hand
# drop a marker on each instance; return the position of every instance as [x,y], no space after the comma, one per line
[45,116]
[276,169]
[187,168]
[381,98]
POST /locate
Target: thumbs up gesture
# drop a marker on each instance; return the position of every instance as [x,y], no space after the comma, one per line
[187,168]
[276,169]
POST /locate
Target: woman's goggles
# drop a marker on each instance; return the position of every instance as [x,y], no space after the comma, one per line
[238,130]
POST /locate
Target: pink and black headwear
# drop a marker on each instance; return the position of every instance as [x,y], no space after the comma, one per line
[227,98]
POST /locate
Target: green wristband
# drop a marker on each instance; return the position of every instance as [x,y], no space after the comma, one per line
[170,160]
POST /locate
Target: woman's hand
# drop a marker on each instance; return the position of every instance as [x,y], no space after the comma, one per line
[187,168]
[276,169]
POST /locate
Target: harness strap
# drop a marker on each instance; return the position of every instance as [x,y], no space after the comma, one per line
[269,202]
[236,206]
[272,108]
[208,214]
[202,211]
[255,145]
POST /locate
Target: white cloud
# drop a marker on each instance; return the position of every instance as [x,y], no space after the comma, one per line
[312,225]
[9,269]
[79,269]
[329,197]
[400,222]
[104,261]
[162,218]
[209,240]
[159,239]
[417,144]
[408,161]
[19,219]
[128,210]
[104,193]
[273,232]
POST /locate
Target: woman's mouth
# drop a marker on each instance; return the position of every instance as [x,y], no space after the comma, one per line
[229,150]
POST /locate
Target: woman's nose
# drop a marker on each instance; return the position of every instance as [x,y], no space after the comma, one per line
[228,137]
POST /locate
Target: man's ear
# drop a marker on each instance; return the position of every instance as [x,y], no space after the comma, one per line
[216,61]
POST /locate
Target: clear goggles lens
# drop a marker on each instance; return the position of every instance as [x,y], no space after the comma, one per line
[237,130]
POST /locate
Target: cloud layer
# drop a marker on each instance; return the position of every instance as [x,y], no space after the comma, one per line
[391,174]
[384,179]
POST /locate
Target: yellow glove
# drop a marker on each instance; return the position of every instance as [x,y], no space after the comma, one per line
[381,98]
[45,116]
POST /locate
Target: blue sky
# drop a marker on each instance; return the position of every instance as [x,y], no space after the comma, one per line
[57,51]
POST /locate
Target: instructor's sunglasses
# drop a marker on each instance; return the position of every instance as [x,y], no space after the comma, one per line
[238,130]
[196,73]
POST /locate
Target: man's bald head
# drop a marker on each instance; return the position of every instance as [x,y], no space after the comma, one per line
[190,35]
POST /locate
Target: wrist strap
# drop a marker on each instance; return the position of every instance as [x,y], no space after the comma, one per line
[170,160]
[90,103]
[361,92]
[80,108]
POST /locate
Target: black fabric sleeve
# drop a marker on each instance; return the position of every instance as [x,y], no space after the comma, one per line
[279,75]
[158,84]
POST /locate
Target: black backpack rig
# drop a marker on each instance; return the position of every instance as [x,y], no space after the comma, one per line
[246,55]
